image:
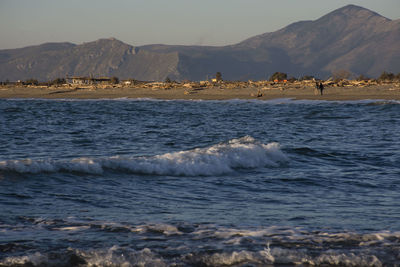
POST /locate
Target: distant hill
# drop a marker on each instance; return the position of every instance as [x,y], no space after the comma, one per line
[104,57]
[350,38]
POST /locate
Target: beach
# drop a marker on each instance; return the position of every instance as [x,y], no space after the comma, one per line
[384,91]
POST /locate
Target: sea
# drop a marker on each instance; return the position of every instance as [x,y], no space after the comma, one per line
[144,182]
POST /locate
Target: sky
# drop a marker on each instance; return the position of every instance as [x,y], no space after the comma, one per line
[181,22]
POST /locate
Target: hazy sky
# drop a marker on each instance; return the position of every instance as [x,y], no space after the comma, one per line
[139,22]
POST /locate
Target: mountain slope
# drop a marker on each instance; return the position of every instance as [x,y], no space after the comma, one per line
[104,57]
[351,38]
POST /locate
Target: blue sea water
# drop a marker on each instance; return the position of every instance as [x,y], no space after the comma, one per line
[199,183]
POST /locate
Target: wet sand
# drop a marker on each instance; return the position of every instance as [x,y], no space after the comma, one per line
[386,92]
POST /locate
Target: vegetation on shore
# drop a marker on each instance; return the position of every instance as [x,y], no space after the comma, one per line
[339,78]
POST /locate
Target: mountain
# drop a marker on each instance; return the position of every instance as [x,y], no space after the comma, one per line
[104,57]
[350,38]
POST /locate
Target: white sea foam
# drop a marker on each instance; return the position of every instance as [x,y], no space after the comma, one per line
[116,256]
[111,257]
[108,257]
[270,246]
[242,153]
[73,228]
[36,259]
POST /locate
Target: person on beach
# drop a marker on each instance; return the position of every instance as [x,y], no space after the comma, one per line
[321,88]
[316,88]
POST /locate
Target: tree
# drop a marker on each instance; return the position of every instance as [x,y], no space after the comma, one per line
[280,76]
[114,80]
[31,82]
[218,76]
[386,76]
[58,81]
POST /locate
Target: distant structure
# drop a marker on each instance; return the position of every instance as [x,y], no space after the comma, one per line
[127,82]
[88,80]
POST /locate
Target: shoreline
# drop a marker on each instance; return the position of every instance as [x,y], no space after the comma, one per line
[378,92]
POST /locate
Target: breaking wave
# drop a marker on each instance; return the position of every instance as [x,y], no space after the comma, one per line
[210,245]
[223,158]
[116,256]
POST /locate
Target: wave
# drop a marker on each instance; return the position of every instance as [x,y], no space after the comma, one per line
[116,256]
[212,245]
[219,159]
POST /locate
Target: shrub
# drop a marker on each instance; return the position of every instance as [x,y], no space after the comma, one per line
[58,81]
[280,76]
[218,76]
[386,76]
[31,82]
[114,80]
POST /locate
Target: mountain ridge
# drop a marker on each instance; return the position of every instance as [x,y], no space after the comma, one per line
[352,38]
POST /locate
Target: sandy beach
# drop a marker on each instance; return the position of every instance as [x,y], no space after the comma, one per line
[386,92]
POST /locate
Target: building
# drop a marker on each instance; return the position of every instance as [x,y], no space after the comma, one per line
[88,80]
